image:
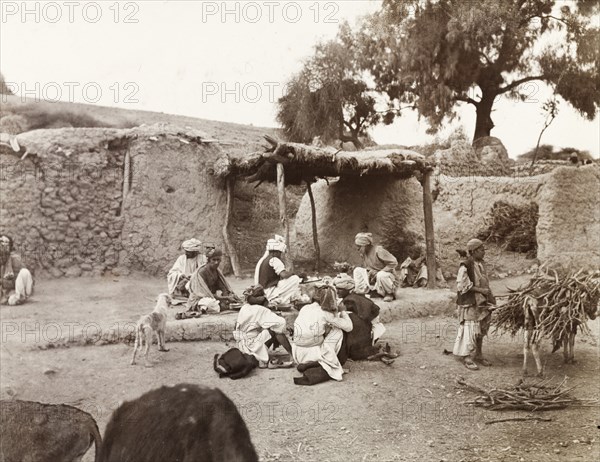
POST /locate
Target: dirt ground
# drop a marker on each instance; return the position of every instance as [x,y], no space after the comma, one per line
[409,411]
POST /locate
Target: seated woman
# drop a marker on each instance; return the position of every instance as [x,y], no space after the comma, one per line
[258,328]
[208,282]
[318,339]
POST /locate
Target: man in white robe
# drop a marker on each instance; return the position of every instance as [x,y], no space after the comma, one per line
[318,338]
[281,286]
[378,270]
[185,265]
[257,328]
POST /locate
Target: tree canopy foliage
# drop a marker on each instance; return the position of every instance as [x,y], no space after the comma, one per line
[436,54]
[439,53]
[329,97]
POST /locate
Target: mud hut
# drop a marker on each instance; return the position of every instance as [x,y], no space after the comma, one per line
[86,201]
[294,163]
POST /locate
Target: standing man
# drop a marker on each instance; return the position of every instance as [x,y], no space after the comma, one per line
[17,281]
[182,270]
[474,299]
[281,286]
[378,268]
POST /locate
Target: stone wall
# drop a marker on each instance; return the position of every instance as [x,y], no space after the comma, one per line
[61,203]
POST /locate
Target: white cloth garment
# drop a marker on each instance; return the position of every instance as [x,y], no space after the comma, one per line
[318,337]
[252,330]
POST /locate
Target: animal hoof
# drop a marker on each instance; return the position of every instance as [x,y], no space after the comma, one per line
[540,374]
[164,350]
[525,374]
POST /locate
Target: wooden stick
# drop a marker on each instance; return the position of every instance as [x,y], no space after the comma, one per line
[283,212]
[314,226]
[518,419]
[235,263]
[429,237]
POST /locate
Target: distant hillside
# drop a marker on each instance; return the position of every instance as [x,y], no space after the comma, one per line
[17,116]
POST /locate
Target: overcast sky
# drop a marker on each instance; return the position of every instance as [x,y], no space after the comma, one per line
[216,60]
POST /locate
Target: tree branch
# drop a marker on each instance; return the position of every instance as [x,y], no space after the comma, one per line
[467,99]
[516,83]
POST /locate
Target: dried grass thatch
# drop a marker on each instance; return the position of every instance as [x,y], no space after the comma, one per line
[305,163]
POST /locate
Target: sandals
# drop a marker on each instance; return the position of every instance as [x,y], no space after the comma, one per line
[469,364]
[279,364]
[484,362]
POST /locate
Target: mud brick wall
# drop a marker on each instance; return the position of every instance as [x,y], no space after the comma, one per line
[173,197]
[568,230]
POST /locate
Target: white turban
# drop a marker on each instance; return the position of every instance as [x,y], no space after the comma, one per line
[343,281]
[277,244]
[363,239]
[192,245]
[474,244]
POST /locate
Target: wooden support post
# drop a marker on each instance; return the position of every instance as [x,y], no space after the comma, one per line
[283,212]
[126,181]
[429,237]
[235,263]
[314,227]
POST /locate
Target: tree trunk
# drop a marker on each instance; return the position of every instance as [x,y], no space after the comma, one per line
[484,123]
[313,210]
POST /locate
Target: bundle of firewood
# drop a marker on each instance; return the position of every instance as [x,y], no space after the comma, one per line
[541,396]
[560,302]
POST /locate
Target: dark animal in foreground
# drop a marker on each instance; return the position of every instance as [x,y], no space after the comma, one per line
[150,323]
[234,364]
[38,432]
[183,423]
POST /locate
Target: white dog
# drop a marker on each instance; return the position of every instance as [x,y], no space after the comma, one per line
[150,323]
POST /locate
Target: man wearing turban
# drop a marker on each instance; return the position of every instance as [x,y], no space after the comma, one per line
[179,275]
[208,282]
[16,280]
[378,268]
[281,286]
[474,298]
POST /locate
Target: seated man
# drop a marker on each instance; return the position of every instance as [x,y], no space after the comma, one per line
[182,270]
[360,305]
[318,339]
[281,286]
[257,328]
[413,270]
[17,281]
[208,282]
[378,268]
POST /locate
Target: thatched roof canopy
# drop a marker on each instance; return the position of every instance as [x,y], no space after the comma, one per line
[305,163]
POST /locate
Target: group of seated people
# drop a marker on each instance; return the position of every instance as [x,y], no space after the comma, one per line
[196,280]
[319,344]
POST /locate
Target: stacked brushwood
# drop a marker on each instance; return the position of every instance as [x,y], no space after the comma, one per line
[541,396]
[512,227]
[563,302]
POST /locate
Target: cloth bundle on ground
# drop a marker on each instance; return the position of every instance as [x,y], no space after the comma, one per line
[234,364]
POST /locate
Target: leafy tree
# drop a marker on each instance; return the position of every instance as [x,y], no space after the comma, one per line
[328,97]
[438,53]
